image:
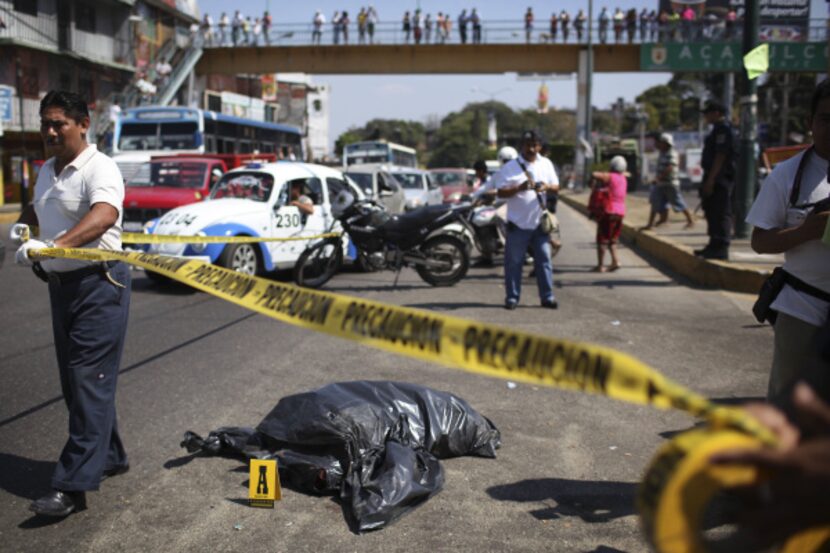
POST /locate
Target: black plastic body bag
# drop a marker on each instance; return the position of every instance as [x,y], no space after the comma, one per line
[374,444]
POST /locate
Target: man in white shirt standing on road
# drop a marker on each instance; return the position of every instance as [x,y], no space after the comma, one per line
[78,204]
[524,182]
[790,215]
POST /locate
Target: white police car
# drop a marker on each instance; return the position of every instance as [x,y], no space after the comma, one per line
[253,200]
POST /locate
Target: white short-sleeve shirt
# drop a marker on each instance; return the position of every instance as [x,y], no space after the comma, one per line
[523,209]
[61,201]
[811,260]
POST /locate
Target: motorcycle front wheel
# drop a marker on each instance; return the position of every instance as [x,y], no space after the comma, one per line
[447,261]
[318,263]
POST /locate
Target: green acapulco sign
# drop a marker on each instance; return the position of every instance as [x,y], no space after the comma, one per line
[726,56]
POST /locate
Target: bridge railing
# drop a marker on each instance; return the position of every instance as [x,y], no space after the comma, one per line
[514,32]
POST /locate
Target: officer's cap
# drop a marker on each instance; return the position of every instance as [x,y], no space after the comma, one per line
[713,105]
[531,136]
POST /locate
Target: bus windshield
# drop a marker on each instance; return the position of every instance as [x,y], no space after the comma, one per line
[158,136]
[244,186]
[172,174]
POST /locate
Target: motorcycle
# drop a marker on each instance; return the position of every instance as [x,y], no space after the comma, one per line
[384,241]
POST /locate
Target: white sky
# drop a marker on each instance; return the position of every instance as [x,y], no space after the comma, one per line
[357,99]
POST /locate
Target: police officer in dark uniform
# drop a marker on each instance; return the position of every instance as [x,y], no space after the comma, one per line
[719,166]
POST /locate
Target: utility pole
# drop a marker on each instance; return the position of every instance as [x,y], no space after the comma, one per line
[745,192]
[24,194]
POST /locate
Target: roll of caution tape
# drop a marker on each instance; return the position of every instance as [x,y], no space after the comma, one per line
[680,485]
[141,238]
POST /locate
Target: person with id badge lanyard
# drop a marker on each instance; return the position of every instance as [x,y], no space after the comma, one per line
[790,216]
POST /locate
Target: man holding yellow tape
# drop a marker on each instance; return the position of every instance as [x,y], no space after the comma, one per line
[789,216]
[78,203]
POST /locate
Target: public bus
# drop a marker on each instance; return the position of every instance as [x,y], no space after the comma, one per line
[143,132]
[379,151]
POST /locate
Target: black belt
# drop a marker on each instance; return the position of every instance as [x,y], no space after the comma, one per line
[71,276]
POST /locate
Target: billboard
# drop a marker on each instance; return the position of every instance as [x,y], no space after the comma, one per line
[781,20]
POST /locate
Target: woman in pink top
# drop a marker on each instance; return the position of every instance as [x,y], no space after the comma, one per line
[609,224]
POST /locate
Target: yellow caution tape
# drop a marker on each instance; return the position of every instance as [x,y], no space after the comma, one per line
[141,238]
[679,483]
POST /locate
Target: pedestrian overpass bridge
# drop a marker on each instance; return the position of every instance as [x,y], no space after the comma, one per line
[415,59]
[412,59]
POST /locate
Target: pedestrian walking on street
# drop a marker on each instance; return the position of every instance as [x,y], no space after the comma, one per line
[609,222]
[790,215]
[524,182]
[475,19]
[719,167]
[666,191]
[77,203]
[528,24]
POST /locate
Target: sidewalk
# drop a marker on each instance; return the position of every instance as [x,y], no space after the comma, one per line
[9,213]
[673,246]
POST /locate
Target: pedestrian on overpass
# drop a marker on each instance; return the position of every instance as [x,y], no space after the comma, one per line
[224,22]
[524,182]
[428,29]
[719,167]
[406,27]
[790,216]
[462,26]
[266,27]
[528,24]
[317,27]
[579,24]
[371,21]
[78,204]
[603,25]
[565,23]
[236,27]
[475,19]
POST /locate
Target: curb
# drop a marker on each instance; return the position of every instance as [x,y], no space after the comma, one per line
[704,272]
[7,218]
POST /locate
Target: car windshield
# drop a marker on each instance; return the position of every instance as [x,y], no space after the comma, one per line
[363,180]
[449,178]
[173,174]
[247,185]
[410,180]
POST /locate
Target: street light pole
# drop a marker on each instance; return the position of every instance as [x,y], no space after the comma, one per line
[745,193]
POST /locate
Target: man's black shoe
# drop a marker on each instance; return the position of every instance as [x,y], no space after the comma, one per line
[59,504]
[713,254]
[552,304]
[115,471]
[510,306]
[701,252]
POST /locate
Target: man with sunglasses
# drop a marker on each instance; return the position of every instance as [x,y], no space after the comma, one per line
[790,215]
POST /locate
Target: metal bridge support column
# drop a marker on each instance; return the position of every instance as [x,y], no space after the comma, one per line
[747,168]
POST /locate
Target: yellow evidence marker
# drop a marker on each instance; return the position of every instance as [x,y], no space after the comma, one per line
[264,483]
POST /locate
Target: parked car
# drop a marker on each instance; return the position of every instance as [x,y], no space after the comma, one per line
[166,182]
[379,185]
[455,182]
[253,200]
[418,187]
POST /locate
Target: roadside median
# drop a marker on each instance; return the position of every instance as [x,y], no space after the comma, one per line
[674,248]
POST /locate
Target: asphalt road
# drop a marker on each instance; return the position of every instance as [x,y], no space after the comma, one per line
[564,480]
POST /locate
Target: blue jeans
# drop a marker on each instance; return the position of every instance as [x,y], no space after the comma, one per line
[518,241]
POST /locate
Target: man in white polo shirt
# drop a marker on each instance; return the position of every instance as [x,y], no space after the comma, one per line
[524,182]
[77,203]
[790,215]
